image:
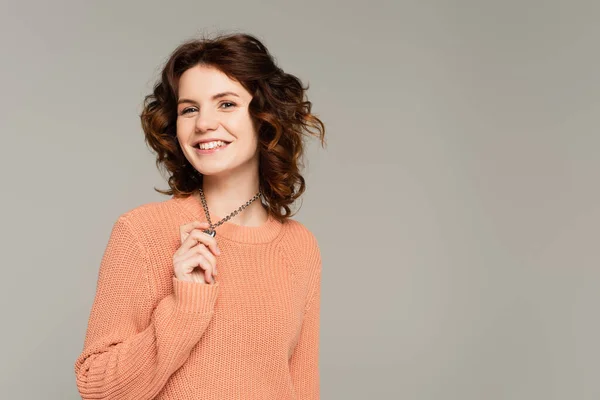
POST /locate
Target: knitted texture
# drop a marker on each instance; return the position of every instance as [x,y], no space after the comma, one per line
[254,334]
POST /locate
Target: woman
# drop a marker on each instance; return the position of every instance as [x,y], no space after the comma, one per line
[213,293]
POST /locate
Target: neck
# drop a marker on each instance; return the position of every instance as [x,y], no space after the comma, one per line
[225,195]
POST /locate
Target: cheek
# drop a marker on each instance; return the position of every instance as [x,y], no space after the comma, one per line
[184,128]
[241,126]
[183,123]
[240,118]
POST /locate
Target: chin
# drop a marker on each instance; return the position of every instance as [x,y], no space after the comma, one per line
[213,170]
[221,167]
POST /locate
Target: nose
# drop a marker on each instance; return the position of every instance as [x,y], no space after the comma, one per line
[206,120]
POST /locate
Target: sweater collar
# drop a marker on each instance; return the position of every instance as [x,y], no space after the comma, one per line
[264,233]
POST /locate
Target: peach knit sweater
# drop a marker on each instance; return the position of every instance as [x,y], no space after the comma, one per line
[254,334]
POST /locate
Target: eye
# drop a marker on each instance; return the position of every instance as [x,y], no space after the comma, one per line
[185,110]
[228,102]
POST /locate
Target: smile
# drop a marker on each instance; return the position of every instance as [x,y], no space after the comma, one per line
[210,147]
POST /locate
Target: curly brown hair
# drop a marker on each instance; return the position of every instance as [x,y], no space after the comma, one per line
[278,108]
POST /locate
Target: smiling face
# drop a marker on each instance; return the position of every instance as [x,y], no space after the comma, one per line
[212,106]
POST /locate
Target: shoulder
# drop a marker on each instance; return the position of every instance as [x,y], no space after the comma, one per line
[152,218]
[145,213]
[300,243]
[300,233]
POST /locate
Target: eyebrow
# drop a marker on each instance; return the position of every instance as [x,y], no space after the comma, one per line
[215,97]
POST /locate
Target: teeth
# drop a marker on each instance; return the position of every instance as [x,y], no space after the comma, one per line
[211,145]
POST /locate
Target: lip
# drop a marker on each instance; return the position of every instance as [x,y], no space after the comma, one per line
[211,151]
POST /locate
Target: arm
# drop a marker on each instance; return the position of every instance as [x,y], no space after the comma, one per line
[304,363]
[133,345]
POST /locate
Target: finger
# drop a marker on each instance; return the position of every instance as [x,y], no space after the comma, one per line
[185,247]
[184,230]
[202,249]
[208,240]
[208,277]
[199,261]
[196,261]
[196,236]
[204,264]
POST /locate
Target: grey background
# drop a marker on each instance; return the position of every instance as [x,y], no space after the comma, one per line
[456,204]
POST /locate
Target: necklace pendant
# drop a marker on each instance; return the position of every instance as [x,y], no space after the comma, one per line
[209,232]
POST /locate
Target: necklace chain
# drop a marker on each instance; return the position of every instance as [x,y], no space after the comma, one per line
[212,231]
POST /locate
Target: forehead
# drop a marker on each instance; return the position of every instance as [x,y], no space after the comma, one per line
[203,82]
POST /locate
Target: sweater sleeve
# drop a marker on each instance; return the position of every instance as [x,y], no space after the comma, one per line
[133,344]
[304,363]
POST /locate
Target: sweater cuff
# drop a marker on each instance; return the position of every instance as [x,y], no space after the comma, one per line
[194,296]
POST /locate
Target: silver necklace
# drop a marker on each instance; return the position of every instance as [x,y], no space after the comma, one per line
[212,231]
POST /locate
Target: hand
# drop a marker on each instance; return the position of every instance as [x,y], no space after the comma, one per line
[195,260]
